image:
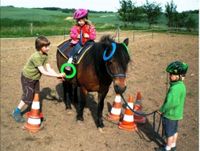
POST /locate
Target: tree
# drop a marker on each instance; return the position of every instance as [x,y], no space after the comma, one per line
[129,12]
[171,13]
[123,11]
[190,23]
[137,13]
[152,11]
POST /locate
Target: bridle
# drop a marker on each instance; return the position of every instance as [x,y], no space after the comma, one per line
[119,75]
[107,58]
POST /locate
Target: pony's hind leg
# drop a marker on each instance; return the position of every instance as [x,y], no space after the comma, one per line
[81,103]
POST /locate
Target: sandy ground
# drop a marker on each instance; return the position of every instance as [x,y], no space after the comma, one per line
[149,53]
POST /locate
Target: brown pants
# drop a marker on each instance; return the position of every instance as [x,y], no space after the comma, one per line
[29,88]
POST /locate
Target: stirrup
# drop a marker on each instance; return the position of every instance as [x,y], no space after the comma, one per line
[70,60]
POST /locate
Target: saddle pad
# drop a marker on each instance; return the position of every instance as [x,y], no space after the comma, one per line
[65,47]
[81,53]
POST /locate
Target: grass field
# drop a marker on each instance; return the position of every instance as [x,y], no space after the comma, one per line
[17,22]
[27,22]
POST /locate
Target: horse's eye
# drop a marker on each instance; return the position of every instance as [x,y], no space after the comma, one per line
[109,63]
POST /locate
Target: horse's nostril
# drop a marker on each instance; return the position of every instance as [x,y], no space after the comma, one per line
[119,89]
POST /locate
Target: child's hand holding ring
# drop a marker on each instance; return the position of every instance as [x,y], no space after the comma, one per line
[85,35]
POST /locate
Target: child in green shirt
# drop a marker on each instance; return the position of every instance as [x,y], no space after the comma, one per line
[173,106]
[36,65]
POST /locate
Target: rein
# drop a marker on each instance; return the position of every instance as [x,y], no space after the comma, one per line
[146,114]
[140,114]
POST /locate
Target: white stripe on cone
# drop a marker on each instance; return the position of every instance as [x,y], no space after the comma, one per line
[130,105]
[115,111]
[128,118]
[35,105]
[34,121]
[118,99]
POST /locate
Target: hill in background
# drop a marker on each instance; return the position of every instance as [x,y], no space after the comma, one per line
[21,22]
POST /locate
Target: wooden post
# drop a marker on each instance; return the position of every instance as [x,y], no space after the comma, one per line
[31,28]
[64,33]
[152,33]
[118,33]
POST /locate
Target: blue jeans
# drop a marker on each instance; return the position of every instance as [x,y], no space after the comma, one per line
[75,50]
[78,46]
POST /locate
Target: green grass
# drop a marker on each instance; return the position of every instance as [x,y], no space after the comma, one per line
[32,14]
[26,22]
[16,22]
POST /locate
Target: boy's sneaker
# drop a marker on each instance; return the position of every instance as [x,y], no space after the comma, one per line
[173,149]
[17,116]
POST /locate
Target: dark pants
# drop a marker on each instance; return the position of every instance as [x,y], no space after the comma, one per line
[29,88]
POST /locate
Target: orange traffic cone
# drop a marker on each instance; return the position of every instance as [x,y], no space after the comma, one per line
[115,113]
[34,116]
[138,108]
[128,119]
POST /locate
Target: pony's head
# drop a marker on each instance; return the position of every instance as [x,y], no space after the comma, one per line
[116,60]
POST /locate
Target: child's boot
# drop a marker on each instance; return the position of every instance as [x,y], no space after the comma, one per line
[16,114]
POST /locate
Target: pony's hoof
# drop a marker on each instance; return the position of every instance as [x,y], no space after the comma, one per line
[100,125]
[69,112]
[80,122]
[68,108]
[101,130]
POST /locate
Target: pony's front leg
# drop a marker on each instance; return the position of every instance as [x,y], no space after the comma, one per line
[67,90]
[81,103]
[101,97]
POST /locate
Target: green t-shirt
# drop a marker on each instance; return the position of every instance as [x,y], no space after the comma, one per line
[173,106]
[30,69]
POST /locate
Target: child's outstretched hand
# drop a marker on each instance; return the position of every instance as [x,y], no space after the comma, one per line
[159,112]
[86,35]
[61,76]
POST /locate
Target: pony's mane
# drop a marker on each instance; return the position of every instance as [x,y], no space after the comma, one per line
[95,55]
[96,51]
[106,39]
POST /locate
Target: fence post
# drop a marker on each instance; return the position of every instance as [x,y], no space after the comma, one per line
[64,33]
[118,33]
[31,28]
[152,33]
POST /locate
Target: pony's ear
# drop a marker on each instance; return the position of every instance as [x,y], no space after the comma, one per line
[126,41]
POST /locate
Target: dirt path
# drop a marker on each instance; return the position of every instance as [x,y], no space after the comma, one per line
[146,73]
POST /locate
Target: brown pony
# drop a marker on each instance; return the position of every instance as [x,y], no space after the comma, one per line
[105,62]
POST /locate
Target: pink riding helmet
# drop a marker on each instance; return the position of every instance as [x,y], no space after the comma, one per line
[80,13]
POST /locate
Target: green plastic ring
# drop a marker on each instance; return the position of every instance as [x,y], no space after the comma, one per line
[73,70]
